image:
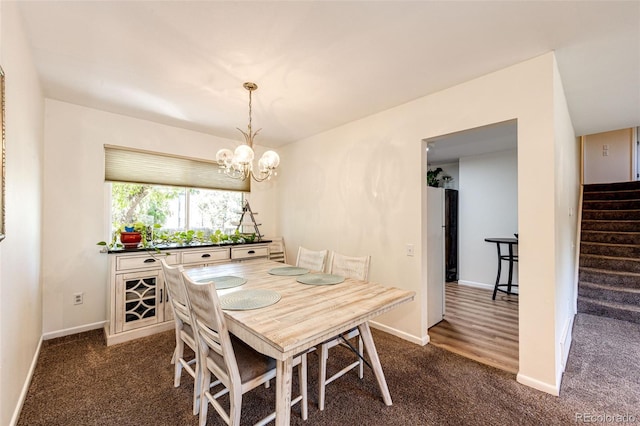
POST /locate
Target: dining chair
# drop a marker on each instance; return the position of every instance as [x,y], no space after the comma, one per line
[277,252]
[184,331]
[237,366]
[356,267]
[310,259]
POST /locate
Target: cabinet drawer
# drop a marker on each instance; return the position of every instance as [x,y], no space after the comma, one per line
[249,252]
[205,256]
[124,263]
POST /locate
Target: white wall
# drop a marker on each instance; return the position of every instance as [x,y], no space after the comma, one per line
[75,215]
[617,165]
[20,290]
[488,207]
[567,190]
[360,189]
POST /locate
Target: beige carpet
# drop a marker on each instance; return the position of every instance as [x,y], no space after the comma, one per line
[80,381]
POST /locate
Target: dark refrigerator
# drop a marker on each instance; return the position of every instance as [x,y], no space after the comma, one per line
[451,234]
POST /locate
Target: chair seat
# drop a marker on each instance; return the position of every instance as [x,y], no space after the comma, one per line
[251,364]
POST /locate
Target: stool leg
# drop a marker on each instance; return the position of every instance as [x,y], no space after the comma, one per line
[495,289]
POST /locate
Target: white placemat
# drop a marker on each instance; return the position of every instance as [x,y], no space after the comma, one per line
[223,282]
[252,298]
[288,270]
[320,279]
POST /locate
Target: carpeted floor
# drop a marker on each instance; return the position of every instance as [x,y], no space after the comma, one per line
[80,381]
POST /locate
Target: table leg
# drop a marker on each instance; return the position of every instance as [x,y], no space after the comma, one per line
[283,391]
[495,289]
[370,347]
[510,268]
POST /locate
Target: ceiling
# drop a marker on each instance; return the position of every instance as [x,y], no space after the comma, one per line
[320,64]
[471,142]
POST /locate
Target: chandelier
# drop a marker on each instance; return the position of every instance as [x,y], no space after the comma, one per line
[238,164]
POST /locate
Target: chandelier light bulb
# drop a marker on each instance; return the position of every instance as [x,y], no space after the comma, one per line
[270,159]
[224,157]
[243,154]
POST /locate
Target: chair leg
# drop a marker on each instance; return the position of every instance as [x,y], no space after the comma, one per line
[302,379]
[204,401]
[235,406]
[197,389]
[361,352]
[177,356]
[322,374]
[173,356]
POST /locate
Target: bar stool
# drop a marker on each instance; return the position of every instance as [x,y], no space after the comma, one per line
[511,258]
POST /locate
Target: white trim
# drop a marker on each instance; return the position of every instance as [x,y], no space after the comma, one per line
[537,384]
[25,387]
[401,334]
[476,284]
[136,333]
[565,342]
[73,330]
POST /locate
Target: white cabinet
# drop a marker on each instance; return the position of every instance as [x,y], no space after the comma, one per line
[138,304]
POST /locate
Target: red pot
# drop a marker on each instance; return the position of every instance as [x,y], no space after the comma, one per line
[130,239]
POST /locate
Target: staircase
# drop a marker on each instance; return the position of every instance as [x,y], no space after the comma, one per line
[609,278]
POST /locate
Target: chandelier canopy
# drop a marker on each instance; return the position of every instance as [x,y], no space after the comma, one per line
[238,164]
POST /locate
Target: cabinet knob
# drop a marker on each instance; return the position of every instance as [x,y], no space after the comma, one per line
[251,252]
[206,255]
[149,260]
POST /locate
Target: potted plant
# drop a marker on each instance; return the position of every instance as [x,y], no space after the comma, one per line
[130,236]
[432,177]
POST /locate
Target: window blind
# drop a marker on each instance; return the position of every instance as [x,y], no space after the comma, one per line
[122,164]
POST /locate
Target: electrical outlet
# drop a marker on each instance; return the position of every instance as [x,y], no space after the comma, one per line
[410,250]
[78,298]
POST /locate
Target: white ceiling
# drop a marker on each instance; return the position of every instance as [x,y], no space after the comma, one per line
[471,142]
[320,64]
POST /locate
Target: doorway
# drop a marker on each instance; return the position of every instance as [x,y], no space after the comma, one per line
[480,164]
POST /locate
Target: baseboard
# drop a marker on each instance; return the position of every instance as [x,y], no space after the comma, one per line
[537,384]
[73,330]
[25,387]
[476,284]
[401,334]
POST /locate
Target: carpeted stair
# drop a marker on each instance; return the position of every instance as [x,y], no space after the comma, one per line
[609,280]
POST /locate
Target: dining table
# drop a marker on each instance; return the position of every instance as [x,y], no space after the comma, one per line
[304,316]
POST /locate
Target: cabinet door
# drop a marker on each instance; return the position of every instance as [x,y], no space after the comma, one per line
[139,300]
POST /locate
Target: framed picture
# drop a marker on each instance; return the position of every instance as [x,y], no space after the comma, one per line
[3,163]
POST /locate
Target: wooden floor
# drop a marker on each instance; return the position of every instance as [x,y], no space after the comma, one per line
[479,328]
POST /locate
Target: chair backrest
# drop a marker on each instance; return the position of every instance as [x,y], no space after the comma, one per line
[177,294]
[310,259]
[211,330]
[356,267]
[277,251]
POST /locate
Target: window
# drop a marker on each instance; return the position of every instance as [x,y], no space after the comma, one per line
[175,208]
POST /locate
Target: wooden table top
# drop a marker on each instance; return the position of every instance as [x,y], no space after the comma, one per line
[306,315]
